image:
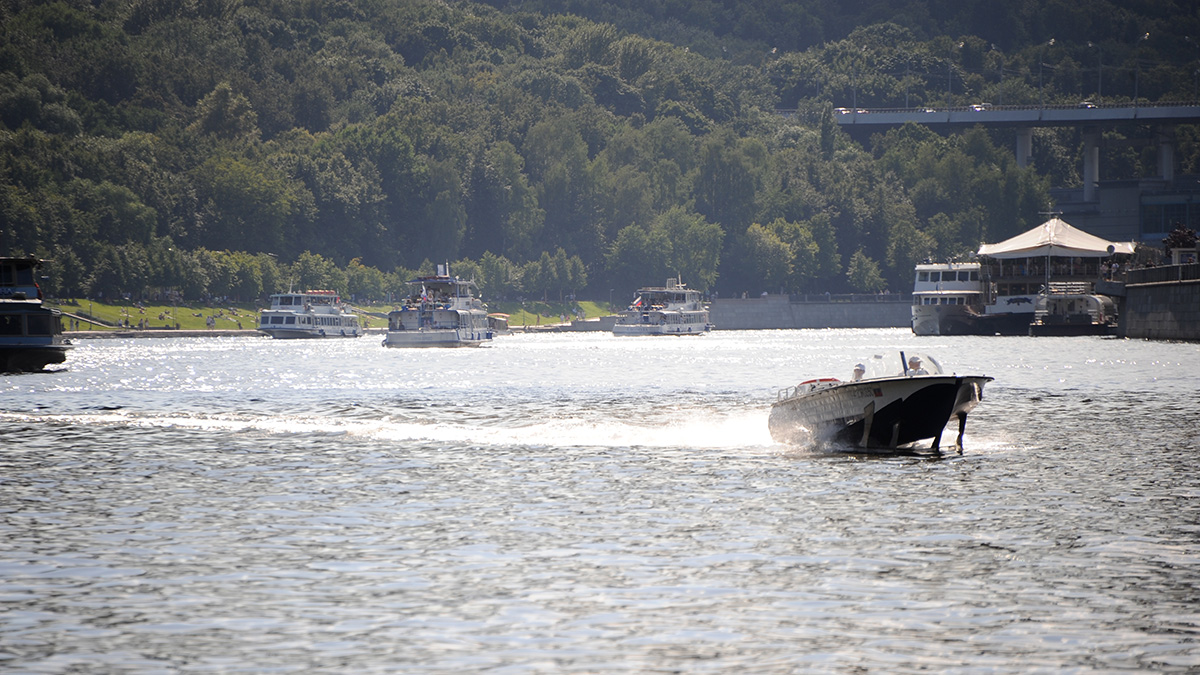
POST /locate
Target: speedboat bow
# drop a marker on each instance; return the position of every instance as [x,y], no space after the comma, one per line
[894,401]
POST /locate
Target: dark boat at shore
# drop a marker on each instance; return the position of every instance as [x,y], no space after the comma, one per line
[30,333]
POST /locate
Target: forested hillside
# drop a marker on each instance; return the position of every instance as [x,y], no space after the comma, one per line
[236,147]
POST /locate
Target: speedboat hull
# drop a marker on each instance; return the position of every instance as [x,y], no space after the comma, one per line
[880,413]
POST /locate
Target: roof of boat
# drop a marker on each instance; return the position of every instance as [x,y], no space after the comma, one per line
[22,259]
[442,278]
[932,267]
[1055,238]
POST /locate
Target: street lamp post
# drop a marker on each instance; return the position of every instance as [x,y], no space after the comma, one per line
[950,76]
[1196,72]
[1137,68]
[1041,60]
[1099,70]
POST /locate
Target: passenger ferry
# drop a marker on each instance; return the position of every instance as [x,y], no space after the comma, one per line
[30,333]
[311,314]
[440,311]
[673,309]
[947,298]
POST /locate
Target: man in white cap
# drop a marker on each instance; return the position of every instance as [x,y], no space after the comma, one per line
[914,366]
[859,371]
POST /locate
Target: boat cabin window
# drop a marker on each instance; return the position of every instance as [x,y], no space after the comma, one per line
[10,324]
[289,319]
[1014,289]
[40,324]
[922,276]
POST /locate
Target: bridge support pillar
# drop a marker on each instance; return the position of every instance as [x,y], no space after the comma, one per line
[1024,146]
[1166,153]
[1091,163]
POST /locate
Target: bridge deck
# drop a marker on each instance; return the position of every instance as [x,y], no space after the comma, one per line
[1187,112]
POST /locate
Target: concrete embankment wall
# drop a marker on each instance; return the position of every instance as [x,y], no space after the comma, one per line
[780,311]
[1162,303]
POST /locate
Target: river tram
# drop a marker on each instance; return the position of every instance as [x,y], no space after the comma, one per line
[947,298]
[440,311]
[30,333]
[893,401]
[673,309]
[310,314]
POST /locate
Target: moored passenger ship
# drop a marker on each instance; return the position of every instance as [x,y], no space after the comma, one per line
[311,314]
[1040,282]
[673,309]
[947,298]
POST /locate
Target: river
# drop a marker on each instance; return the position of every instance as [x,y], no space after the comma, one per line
[580,503]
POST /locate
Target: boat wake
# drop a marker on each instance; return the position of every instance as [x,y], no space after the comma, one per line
[743,428]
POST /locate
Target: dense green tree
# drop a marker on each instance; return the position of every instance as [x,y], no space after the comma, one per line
[863,274]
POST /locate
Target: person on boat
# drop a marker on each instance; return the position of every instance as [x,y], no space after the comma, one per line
[914,366]
[859,371]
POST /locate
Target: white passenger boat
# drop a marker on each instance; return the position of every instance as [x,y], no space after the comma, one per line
[891,402]
[441,311]
[30,333]
[311,314]
[673,309]
[947,298]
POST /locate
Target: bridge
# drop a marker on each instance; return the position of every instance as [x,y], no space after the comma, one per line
[1021,116]
[1093,117]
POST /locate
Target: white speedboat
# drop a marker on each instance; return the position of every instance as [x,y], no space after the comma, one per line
[895,403]
[673,309]
[311,314]
[30,333]
[441,311]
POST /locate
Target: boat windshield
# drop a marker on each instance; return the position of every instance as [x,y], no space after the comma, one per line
[898,363]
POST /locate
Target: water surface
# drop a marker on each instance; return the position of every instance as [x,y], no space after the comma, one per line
[584,503]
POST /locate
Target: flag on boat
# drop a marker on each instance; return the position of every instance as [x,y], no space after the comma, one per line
[638,302]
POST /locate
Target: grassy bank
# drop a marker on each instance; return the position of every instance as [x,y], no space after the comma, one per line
[93,315]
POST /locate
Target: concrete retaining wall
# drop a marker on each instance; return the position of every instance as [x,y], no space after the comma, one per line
[778,311]
[1162,310]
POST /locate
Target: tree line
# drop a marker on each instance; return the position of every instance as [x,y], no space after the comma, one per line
[231,147]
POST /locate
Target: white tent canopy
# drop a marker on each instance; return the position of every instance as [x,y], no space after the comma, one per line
[1055,238]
